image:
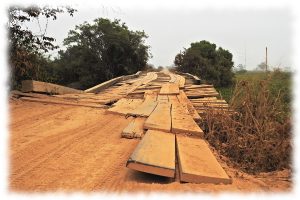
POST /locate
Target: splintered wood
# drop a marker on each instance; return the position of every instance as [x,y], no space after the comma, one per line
[125,106]
[154,154]
[135,128]
[147,107]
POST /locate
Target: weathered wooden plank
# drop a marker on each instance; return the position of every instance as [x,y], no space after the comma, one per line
[199,86]
[162,98]
[182,121]
[135,128]
[185,102]
[154,154]
[169,88]
[200,91]
[43,87]
[197,164]
[205,100]
[160,118]
[104,85]
[62,102]
[19,94]
[124,106]
[210,105]
[195,96]
[181,81]
[144,109]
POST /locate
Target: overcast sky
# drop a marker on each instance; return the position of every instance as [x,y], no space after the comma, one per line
[244,32]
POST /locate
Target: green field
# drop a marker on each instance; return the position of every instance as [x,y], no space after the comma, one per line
[279,83]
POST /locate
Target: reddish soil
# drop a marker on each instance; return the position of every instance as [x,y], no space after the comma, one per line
[55,147]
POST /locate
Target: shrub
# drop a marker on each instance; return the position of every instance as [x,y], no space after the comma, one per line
[255,136]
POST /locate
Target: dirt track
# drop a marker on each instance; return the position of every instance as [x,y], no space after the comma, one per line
[55,147]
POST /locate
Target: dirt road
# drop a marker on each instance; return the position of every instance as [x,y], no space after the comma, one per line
[55,147]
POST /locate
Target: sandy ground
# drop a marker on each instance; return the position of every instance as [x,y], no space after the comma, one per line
[55,147]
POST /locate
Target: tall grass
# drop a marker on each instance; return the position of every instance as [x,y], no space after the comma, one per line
[256,137]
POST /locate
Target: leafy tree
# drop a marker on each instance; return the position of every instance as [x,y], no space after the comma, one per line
[100,51]
[262,66]
[26,49]
[204,60]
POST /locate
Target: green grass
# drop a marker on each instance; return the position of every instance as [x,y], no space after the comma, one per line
[279,83]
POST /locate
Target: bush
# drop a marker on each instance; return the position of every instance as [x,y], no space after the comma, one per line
[256,136]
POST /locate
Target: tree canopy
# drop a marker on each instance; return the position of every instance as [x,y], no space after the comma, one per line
[26,48]
[208,62]
[101,50]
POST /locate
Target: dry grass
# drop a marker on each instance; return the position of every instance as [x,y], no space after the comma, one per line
[256,137]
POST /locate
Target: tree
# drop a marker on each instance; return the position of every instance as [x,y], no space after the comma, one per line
[262,66]
[26,49]
[204,60]
[100,51]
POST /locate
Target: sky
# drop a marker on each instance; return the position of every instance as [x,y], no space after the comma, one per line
[236,25]
[244,32]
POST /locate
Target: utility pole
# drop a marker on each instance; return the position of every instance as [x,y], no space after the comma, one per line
[245,56]
[266,59]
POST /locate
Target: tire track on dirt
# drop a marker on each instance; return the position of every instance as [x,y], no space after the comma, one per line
[86,136]
[45,147]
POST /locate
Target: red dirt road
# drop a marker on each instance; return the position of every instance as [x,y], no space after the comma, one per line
[55,147]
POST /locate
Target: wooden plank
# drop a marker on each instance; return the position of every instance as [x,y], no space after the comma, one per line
[197,164]
[144,109]
[199,86]
[154,154]
[195,96]
[205,100]
[182,121]
[43,87]
[210,105]
[185,102]
[201,91]
[104,85]
[124,106]
[135,128]
[62,102]
[160,118]
[169,88]
[181,81]
[19,94]
[162,98]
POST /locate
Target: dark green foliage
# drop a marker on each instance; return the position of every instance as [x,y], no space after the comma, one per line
[26,48]
[204,60]
[100,51]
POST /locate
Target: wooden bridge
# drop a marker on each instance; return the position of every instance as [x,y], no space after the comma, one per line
[162,112]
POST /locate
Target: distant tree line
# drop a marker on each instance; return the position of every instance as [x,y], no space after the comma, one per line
[95,52]
[211,64]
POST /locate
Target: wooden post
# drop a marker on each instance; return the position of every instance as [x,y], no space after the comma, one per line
[266,59]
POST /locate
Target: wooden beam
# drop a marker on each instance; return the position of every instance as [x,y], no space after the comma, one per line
[182,121]
[169,89]
[49,88]
[160,118]
[154,154]
[62,102]
[125,106]
[197,164]
[185,102]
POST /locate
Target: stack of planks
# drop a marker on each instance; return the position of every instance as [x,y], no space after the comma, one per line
[171,131]
[199,91]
